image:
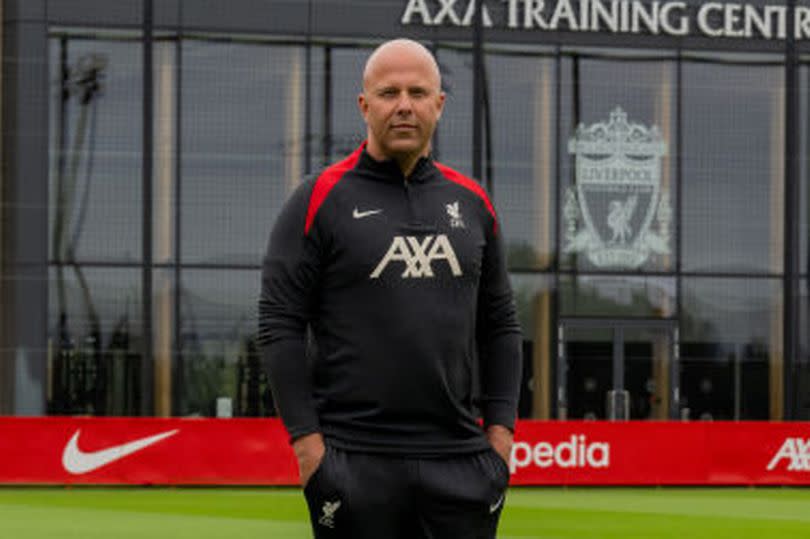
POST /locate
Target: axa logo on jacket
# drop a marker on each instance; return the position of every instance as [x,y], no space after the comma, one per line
[418,254]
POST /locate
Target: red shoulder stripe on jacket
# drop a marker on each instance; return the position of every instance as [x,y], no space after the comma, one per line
[472,185]
[326,181]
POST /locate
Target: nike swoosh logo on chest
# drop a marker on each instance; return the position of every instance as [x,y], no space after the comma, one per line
[357,214]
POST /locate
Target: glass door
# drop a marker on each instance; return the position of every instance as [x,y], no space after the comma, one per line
[618,369]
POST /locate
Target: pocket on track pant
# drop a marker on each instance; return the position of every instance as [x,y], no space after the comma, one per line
[364,496]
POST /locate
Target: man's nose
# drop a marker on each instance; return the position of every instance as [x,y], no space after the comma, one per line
[404,104]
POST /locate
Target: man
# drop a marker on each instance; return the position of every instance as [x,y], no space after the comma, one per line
[395,263]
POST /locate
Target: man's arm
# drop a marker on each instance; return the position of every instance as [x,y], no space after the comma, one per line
[290,273]
[499,342]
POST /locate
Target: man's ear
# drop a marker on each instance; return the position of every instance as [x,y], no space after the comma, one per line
[441,105]
[362,104]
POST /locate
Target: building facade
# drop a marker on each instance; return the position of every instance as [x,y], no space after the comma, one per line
[649,161]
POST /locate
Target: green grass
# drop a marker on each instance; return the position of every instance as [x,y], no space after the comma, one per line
[548,513]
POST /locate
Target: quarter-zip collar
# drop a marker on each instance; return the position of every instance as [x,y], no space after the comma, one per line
[388,170]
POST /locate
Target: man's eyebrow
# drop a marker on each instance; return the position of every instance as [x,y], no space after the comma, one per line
[409,88]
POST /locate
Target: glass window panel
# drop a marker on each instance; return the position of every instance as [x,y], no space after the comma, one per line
[803,123]
[348,128]
[453,139]
[608,295]
[802,382]
[589,376]
[316,108]
[522,100]
[731,348]
[644,384]
[94,336]
[647,364]
[218,351]
[163,341]
[534,300]
[617,207]
[733,166]
[165,155]
[243,128]
[95,150]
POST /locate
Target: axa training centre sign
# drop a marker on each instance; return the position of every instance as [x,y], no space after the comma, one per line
[670,18]
[618,213]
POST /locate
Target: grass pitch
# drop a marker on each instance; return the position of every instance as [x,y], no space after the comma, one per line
[547,513]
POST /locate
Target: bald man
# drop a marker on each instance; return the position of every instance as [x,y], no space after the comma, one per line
[401,414]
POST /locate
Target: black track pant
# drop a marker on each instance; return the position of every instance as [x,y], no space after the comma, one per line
[362,496]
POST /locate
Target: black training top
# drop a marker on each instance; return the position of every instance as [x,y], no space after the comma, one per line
[404,285]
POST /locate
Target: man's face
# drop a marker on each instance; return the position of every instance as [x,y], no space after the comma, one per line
[401,104]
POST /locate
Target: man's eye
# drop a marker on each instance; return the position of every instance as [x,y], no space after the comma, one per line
[388,93]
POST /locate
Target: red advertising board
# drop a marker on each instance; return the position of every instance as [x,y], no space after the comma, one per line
[145,451]
[52,450]
[661,453]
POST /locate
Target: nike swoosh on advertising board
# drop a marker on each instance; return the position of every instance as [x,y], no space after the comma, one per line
[78,462]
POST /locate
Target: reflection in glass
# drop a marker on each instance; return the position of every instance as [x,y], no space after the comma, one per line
[589,354]
[731,348]
[522,102]
[802,381]
[647,369]
[219,357]
[163,324]
[164,174]
[608,295]
[733,166]
[94,355]
[95,150]
[803,124]
[617,122]
[453,140]
[243,128]
[633,362]
[533,298]
[348,128]
[314,115]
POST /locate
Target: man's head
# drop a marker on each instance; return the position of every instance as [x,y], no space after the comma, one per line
[401,101]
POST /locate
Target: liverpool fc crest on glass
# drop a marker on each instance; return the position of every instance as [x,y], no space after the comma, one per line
[617,214]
